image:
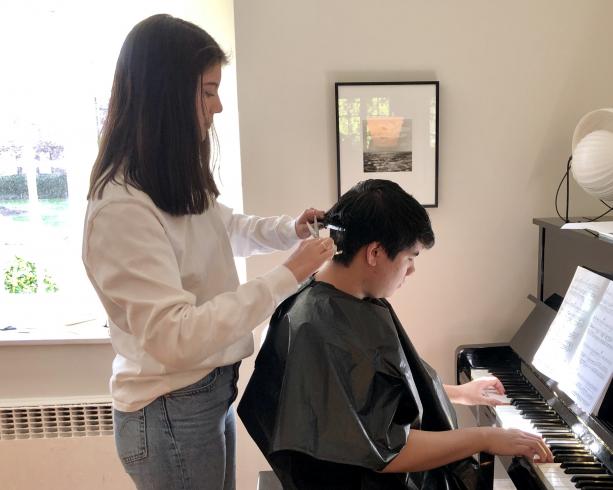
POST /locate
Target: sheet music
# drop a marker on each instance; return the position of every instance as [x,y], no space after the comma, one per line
[597,226]
[604,229]
[592,366]
[577,351]
[567,329]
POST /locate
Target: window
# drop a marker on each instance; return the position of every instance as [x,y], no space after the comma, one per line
[54,91]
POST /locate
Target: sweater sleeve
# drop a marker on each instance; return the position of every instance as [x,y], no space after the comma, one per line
[251,235]
[132,266]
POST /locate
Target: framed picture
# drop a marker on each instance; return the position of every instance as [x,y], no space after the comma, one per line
[388,130]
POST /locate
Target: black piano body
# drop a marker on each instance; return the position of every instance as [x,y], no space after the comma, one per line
[560,253]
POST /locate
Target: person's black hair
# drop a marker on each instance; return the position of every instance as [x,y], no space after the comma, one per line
[378,210]
[151,136]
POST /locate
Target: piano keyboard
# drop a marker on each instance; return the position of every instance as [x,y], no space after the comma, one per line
[574,465]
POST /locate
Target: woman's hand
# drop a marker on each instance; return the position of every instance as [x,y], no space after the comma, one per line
[302,230]
[514,442]
[310,255]
[476,392]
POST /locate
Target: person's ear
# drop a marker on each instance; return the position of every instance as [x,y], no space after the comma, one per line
[373,250]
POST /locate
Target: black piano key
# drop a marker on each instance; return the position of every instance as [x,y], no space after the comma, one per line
[594,485]
[596,477]
[578,470]
[558,435]
[576,452]
[537,411]
[581,464]
[570,450]
[554,425]
[593,479]
[557,445]
[563,458]
[528,405]
[537,408]
[540,417]
[558,452]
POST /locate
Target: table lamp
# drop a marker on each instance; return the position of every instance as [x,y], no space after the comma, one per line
[591,161]
[592,165]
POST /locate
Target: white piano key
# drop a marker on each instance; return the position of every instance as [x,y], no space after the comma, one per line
[554,476]
[554,480]
[479,373]
[509,418]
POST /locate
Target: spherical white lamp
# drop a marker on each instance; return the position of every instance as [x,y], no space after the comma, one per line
[592,164]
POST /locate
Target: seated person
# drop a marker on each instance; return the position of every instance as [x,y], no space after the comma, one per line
[339,398]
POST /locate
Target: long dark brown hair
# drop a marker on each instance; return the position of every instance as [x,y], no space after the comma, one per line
[151,136]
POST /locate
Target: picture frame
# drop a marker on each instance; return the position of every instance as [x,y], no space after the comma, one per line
[388,130]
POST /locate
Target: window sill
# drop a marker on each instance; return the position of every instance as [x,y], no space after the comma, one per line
[58,318]
[92,332]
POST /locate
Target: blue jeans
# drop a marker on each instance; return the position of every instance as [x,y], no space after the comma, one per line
[184,440]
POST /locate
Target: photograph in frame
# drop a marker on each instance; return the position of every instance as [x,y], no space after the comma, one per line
[388,130]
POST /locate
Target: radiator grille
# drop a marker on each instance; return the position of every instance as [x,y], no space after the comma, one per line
[48,421]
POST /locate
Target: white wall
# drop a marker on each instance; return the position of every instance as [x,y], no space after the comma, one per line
[515,79]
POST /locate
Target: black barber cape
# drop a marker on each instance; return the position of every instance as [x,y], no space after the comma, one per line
[336,389]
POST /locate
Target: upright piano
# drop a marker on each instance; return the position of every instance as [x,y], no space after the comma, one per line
[582,444]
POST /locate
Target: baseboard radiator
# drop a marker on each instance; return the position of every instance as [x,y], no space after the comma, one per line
[55,418]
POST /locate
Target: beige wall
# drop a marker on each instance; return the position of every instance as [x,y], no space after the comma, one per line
[515,79]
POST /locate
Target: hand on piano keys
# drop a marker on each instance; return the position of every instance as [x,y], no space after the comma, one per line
[573,466]
[486,390]
[516,442]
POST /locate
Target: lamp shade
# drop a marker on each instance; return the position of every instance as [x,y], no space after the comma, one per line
[592,166]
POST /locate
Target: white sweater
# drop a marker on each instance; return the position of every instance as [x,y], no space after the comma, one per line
[170,288]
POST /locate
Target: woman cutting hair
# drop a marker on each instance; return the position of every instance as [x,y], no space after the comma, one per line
[159,250]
